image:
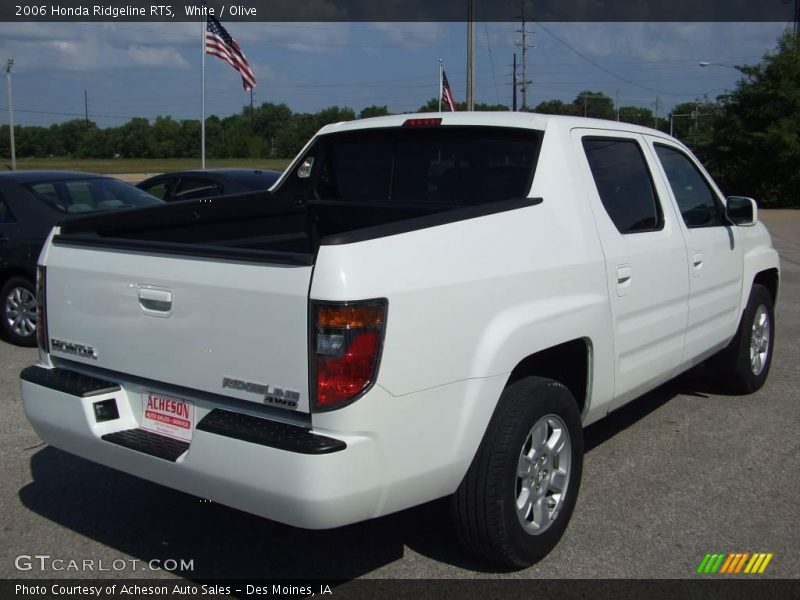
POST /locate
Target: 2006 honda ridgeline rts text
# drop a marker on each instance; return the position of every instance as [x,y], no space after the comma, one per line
[422,306]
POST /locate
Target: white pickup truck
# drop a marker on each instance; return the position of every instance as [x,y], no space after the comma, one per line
[423,306]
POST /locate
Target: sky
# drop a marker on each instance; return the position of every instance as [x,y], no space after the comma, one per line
[150,69]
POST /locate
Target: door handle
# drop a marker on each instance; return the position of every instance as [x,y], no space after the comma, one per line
[155,301]
[624,275]
[3,238]
[697,263]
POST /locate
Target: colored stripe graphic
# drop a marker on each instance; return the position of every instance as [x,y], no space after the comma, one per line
[722,563]
[766,562]
[727,564]
[740,564]
[701,568]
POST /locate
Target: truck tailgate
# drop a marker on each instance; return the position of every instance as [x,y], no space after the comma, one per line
[227,327]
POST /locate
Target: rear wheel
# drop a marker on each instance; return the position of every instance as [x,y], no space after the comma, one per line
[18,322]
[744,363]
[519,493]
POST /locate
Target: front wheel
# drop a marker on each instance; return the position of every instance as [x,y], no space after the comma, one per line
[744,364]
[18,324]
[519,493]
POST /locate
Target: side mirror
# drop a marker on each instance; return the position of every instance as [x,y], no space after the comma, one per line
[741,211]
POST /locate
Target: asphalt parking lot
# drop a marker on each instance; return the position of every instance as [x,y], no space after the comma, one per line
[681,472]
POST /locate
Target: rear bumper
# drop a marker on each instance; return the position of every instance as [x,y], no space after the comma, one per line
[313,489]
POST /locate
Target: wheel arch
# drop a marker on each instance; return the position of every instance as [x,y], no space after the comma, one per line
[770,279]
[569,363]
[10,272]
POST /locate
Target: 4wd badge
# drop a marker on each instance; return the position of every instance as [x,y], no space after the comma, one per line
[271,394]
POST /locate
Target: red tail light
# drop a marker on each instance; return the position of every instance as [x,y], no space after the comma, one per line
[347,343]
[41,309]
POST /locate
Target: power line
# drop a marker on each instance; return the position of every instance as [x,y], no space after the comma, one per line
[491,61]
[601,67]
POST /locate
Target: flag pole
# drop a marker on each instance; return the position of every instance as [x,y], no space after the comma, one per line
[203,24]
[440,84]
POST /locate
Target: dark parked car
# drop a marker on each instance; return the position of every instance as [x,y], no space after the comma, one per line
[31,203]
[192,185]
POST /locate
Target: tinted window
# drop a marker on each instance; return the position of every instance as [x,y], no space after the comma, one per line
[429,166]
[624,184]
[158,189]
[192,188]
[696,200]
[5,213]
[90,195]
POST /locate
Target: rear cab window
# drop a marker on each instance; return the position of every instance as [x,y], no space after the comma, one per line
[446,166]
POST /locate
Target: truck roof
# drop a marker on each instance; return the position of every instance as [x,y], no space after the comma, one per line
[490,118]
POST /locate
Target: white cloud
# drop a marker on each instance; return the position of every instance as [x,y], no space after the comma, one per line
[87,47]
[666,41]
[148,56]
[413,36]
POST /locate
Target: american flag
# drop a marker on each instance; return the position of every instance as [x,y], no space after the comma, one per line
[447,93]
[220,43]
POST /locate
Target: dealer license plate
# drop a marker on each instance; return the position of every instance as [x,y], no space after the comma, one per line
[167,415]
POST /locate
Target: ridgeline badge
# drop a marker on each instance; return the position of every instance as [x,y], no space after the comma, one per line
[73,348]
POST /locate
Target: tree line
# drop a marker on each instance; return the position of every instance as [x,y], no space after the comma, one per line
[748,138]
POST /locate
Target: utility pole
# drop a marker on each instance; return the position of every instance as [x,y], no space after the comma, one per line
[656,106]
[514,85]
[470,55]
[9,64]
[617,105]
[796,18]
[523,31]
[86,107]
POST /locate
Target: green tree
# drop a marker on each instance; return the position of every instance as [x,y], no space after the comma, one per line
[270,119]
[135,139]
[755,146]
[432,105]
[556,107]
[692,122]
[71,134]
[594,104]
[636,115]
[373,111]
[334,114]
[166,138]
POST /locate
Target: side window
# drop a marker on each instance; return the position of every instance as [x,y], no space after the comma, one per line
[48,192]
[5,213]
[191,188]
[80,196]
[158,189]
[696,200]
[624,184]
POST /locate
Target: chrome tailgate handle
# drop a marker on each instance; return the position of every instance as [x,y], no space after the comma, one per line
[155,301]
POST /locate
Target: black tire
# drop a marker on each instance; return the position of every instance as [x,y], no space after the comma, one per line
[735,364]
[484,507]
[13,333]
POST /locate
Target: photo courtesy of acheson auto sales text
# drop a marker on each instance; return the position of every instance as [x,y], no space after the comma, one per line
[135,590]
